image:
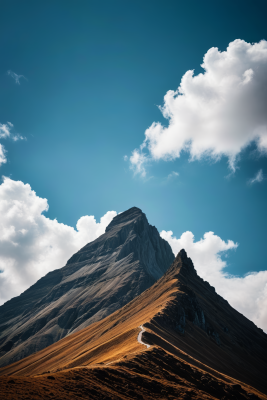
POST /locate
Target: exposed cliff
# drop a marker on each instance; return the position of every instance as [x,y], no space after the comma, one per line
[99,279]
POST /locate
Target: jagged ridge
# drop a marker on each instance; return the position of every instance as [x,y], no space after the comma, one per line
[193,333]
[99,279]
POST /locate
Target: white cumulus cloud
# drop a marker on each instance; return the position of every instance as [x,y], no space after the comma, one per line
[138,161]
[216,113]
[31,244]
[246,294]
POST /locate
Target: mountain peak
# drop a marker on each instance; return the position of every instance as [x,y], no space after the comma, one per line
[207,348]
[182,254]
[100,278]
[126,217]
[182,265]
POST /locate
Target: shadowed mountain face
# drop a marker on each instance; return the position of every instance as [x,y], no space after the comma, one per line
[100,278]
[200,348]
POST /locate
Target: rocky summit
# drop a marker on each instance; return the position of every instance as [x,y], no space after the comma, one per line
[99,279]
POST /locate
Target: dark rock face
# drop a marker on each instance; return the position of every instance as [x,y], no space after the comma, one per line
[207,328]
[192,304]
[187,305]
[96,281]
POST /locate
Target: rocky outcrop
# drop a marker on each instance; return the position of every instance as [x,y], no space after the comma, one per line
[96,281]
[196,304]
[183,309]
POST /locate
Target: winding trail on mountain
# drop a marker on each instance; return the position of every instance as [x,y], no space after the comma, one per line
[139,337]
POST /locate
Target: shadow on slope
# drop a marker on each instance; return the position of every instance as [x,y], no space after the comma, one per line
[201,348]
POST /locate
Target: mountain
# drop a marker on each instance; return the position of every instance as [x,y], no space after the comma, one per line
[193,345]
[100,278]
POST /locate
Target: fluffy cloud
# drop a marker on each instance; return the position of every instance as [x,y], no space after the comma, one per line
[5,130]
[138,161]
[30,243]
[247,294]
[215,113]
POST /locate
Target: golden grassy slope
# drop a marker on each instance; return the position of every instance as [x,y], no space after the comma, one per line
[105,361]
[102,342]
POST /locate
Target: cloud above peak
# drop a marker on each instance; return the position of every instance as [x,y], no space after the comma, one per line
[247,294]
[213,114]
[31,244]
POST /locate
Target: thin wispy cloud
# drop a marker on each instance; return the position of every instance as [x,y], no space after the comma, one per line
[257,179]
[173,174]
[3,158]
[18,137]
[15,76]
[5,132]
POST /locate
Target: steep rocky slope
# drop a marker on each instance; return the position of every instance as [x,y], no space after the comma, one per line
[100,278]
[200,348]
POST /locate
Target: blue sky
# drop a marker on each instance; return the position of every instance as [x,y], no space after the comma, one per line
[94,73]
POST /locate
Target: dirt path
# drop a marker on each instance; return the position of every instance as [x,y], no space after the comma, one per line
[139,337]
